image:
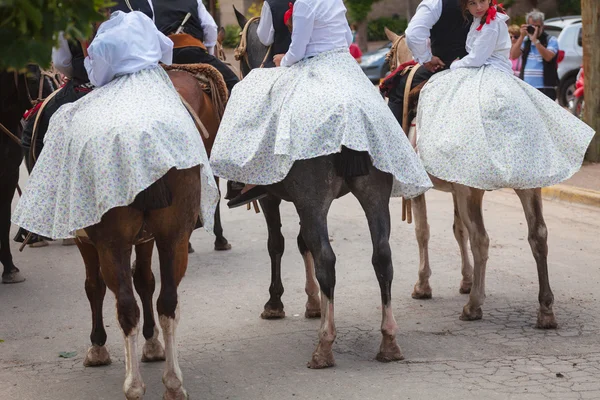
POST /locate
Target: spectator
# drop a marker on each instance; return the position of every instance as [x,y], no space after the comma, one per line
[354,30]
[539,53]
[515,32]
[355,52]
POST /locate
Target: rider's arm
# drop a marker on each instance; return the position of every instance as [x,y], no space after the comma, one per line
[209,27]
[265,30]
[482,49]
[62,59]
[419,29]
[304,19]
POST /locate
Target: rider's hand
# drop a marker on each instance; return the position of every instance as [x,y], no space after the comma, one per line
[277,59]
[434,65]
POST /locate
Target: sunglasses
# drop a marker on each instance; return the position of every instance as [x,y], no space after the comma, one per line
[514,37]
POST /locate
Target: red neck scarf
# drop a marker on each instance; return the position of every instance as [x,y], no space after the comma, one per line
[491,14]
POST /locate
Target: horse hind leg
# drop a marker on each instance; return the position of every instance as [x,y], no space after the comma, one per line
[311,287]
[95,288]
[422,289]
[469,203]
[462,238]
[273,308]
[531,199]
[143,280]
[221,243]
[172,227]
[373,193]
[113,238]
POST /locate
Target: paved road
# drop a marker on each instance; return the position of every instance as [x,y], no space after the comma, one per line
[228,352]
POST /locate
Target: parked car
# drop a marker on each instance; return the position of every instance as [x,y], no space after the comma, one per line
[374,65]
[567,30]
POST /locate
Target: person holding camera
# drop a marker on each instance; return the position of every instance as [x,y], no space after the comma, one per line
[539,54]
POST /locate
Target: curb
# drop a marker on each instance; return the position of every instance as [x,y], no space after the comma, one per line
[572,194]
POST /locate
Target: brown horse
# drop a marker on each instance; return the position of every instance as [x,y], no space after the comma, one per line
[469,226]
[107,252]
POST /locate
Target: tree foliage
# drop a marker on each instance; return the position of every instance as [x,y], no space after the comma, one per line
[29,28]
[358,10]
[569,7]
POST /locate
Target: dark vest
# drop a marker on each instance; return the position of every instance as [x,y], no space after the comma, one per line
[550,67]
[136,5]
[80,75]
[449,34]
[169,14]
[283,37]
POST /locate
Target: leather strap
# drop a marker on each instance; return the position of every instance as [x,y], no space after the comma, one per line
[405,121]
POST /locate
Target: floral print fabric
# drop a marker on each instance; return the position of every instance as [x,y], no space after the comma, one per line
[276,116]
[487,129]
[107,147]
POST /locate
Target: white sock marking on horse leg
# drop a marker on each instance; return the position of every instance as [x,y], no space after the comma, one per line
[311,287]
[134,386]
[172,377]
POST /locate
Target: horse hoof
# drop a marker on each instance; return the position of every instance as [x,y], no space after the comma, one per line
[13,277]
[312,313]
[176,395]
[153,351]
[271,313]
[135,391]
[546,321]
[68,242]
[389,356]
[190,249]
[422,293]
[320,361]
[222,245]
[471,315]
[97,356]
[465,287]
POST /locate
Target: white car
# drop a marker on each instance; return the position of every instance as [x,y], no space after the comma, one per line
[570,57]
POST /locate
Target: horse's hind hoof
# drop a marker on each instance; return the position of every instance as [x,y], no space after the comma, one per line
[471,315]
[97,356]
[13,277]
[312,313]
[269,313]
[546,321]
[422,292]
[153,351]
[465,287]
[222,245]
[320,361]
[389,350]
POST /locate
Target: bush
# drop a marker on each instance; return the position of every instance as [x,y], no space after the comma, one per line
[375,27]
[232,36]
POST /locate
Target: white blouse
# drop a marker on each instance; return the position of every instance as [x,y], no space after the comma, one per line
[419,29]
[62,59]
[265,30]
[125,44]
[489,46]
[319,26]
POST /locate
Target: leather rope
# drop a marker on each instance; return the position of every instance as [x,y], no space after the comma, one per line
[406,203]
[241,51]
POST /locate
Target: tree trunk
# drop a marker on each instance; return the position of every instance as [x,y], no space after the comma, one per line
[361,36]
[590,11]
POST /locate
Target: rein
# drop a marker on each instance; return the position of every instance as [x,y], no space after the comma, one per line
[241,52]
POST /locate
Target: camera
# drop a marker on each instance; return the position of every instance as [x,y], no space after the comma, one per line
[530,29]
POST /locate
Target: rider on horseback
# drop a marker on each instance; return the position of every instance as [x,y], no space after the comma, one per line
[194,34]
[442,23]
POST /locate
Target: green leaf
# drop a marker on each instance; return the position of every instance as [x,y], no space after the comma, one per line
[67,354]
[1,341]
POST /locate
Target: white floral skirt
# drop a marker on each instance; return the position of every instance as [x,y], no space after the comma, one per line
[276,116]
[104,149]
[487,129]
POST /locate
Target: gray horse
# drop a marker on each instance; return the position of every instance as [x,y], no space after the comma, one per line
[312,185]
